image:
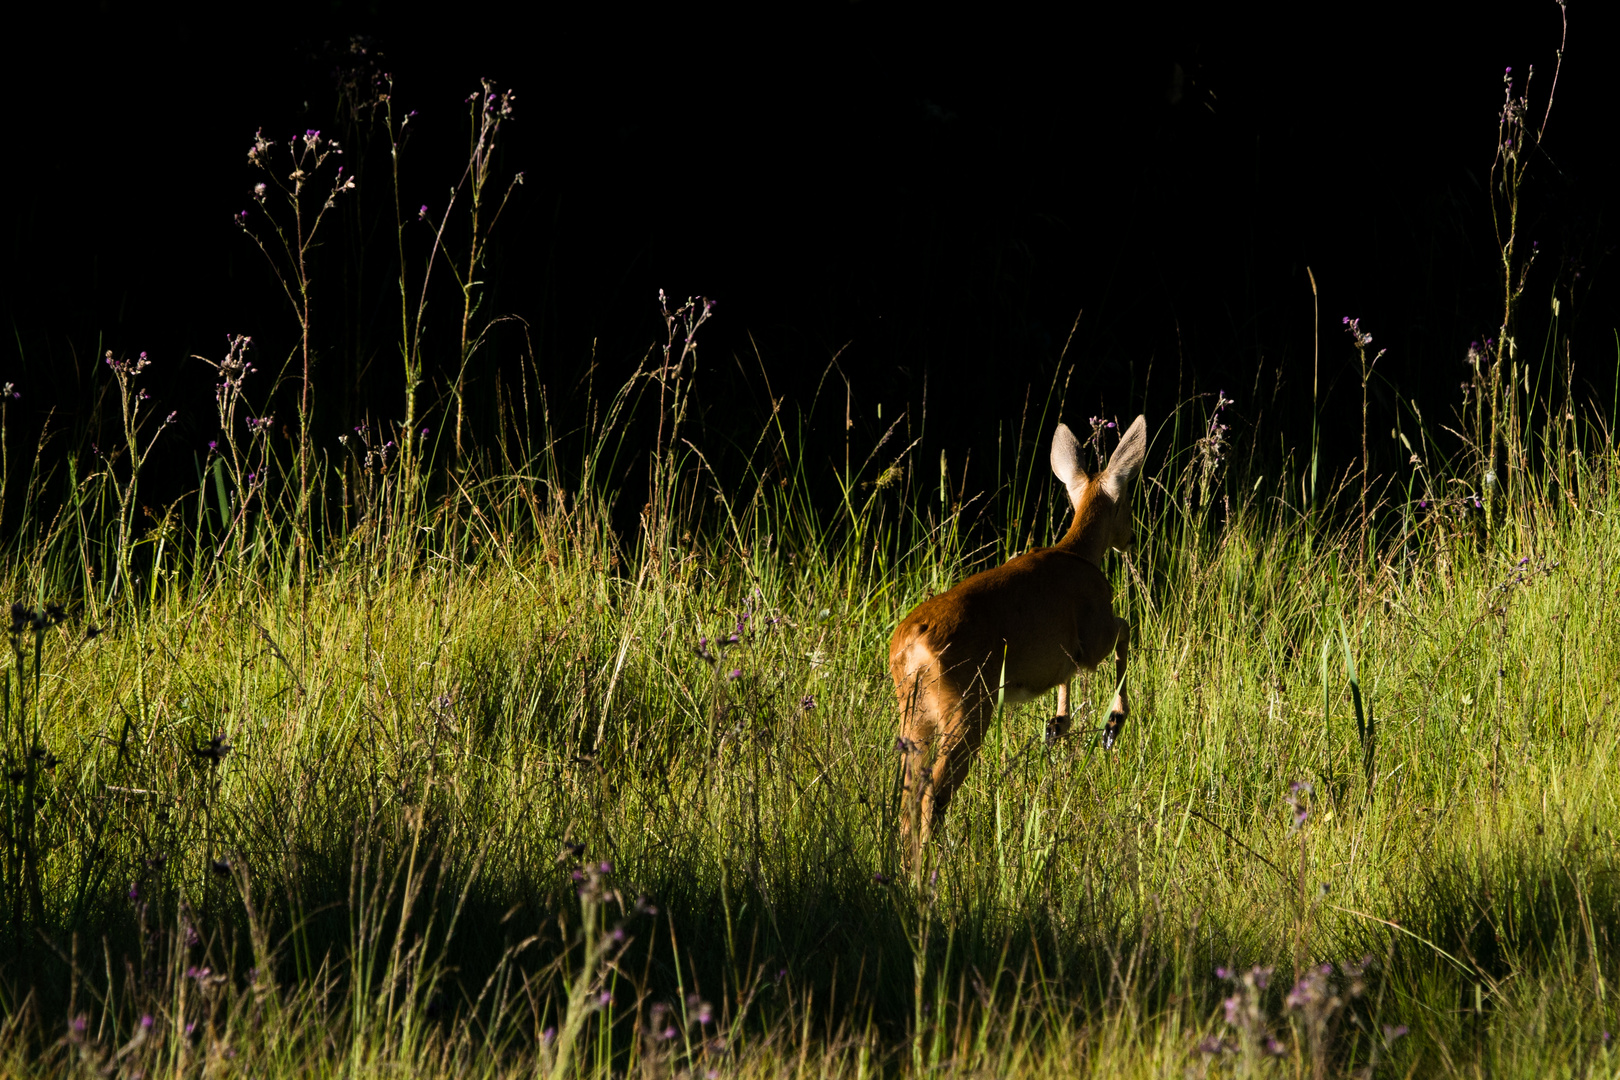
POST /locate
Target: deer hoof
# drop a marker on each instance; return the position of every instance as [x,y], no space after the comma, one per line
[1057,727]
[1116,721]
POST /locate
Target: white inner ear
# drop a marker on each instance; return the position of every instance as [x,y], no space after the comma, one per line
[1066,463]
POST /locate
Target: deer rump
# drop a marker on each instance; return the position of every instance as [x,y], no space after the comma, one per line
[966,637]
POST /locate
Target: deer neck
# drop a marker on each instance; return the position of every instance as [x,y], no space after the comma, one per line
[1085,539]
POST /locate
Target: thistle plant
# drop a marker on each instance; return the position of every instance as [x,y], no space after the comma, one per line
[1094,441]
[1503,448]
[133,412]
[247,464]
[602,947]
[1248,1028]
[488,109]
[1210,452]
[1361,340]
[674,375]
[289,207]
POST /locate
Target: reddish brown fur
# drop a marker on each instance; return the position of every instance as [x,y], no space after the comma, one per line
[1021,628]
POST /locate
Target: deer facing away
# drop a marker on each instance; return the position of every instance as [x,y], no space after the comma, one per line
[1017,630]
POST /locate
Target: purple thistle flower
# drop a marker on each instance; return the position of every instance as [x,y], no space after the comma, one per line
[1234,1008]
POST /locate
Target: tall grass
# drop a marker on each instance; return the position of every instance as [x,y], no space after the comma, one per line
[342,822]
[348,763]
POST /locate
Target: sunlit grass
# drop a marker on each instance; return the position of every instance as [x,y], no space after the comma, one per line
[253,775]
[433,755]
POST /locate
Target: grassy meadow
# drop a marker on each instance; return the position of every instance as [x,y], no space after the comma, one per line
[478,785]
[425,752]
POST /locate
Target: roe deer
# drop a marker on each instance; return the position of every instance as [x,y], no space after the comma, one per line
[1019,629]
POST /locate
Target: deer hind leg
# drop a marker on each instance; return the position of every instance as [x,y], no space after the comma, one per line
[941,729]
[958,743]
[1058,725]
[920,724]
[1120,710]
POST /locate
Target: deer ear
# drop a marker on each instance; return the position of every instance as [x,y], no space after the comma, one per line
[1127,460]
[1066,462]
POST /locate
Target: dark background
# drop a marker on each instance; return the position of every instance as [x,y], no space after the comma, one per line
[937,193]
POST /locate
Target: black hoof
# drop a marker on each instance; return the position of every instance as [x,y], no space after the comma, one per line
[1057,727]
[1116,721]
